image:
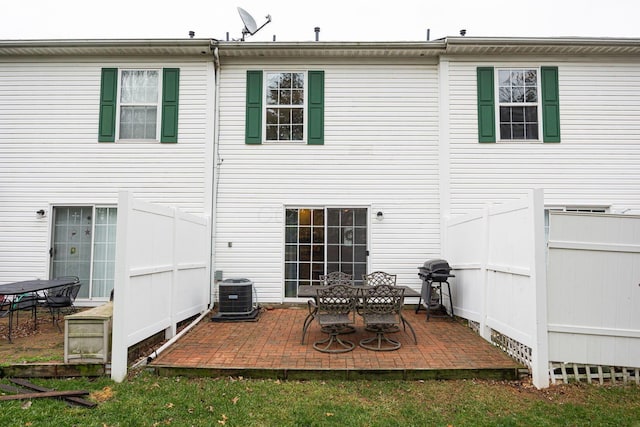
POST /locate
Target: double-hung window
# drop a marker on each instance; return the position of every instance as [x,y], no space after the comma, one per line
[521,103]
[139,105]
[285,107]
[284,99]
[518,103]
[139,110]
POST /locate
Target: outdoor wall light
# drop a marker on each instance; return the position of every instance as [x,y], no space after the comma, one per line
[379,216]
[41,213]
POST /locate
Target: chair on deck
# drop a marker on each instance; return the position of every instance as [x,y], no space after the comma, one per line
[336,310]
[382,314]
[58,299]
[333,278]
[379,278]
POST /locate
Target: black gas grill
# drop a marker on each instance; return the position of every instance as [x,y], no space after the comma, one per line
[435,270]
[435,274]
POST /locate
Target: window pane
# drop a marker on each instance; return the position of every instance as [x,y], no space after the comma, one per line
[292,216]
[304,253]
[532,131]
[318,253]
[333,253]
[531,95]
[285,97]
[272,116]
[517,114]
[284,116]
[297,97]
[505,131]
[517,94]
[297,133]
[505,94]
[517,131]
[291,235]
[305,216]
[291,253]
[304,235]
[318,234]
[318,217]
[360,236]
[505,114]
[297,115]
[531,114]
[284,133]
[504,78]
[333,235]
[298,80]
[272,133]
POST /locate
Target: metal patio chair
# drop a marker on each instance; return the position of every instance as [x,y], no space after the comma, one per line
[379,278]
[59,299]
[336,310]
[333,278]
[381,311]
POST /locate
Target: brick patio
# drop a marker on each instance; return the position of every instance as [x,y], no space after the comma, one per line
[271,348]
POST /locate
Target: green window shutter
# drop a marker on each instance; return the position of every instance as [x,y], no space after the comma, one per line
[315,114]
[486,105]
[550,104]
[253,117]
[170,90]
[108,95]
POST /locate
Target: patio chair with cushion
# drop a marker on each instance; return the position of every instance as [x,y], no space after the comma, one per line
[382,314]
[336,310]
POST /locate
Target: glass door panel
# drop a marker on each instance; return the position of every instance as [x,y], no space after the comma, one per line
[318,241]
[71,255]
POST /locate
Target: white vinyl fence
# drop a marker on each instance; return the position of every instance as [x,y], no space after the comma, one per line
[574,314]
[162,273]
[498,258]
[594,293]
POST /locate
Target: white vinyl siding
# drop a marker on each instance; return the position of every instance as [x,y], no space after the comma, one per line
[50,155]
[380,151]
[597,163]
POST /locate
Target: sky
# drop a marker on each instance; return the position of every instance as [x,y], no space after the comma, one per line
[339,20]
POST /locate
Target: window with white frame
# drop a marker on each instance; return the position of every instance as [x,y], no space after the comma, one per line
[518,104]
[139,104]
[284,106]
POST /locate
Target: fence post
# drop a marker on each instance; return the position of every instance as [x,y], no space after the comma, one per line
[540,350]
[119,345]
[484,331]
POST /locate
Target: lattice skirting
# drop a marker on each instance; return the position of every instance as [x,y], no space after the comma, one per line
[576,372]
[513,348]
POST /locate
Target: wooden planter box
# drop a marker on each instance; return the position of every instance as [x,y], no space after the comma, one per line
[87,335]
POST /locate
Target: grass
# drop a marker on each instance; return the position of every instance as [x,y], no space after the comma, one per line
[147,400]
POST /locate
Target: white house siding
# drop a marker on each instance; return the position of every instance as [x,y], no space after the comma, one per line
[597,161]
[380,152]
[50,155]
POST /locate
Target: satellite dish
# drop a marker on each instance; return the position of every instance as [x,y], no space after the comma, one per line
[250,26]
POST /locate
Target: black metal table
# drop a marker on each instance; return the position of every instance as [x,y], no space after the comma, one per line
[30,288]
[309,291]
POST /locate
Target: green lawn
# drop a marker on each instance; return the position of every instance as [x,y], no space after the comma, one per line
[148,400]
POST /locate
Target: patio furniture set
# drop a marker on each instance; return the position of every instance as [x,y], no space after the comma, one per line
[335,304]
[55,295]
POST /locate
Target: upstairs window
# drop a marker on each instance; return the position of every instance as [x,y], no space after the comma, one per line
[142,105]
[139,91]
[518,104]
[522,103]
[284,99]
[284,107]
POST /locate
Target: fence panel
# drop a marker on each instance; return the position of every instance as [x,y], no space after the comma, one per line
[162,273]
[594,292]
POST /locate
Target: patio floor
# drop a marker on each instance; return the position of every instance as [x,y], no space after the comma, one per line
[271,348]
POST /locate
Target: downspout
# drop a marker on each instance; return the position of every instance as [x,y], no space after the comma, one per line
[217,163]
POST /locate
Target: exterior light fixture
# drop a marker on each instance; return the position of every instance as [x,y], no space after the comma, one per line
[379,216]
[41,213]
